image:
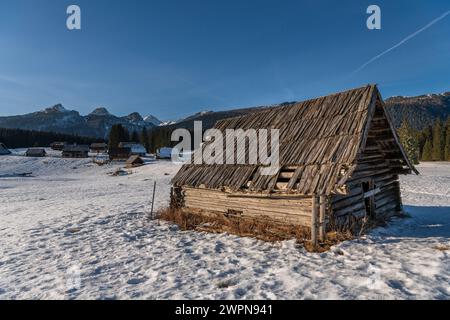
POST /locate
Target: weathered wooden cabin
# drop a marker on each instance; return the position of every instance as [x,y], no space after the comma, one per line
[58,146]
[340,161]
[36,152]
[75,151]
[134,161]
[98,147]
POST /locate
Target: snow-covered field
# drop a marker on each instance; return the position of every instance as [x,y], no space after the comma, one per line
[71,231]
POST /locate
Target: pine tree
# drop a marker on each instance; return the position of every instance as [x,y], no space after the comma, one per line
[124,135]
[427,151]
[144,139]
[409,140]
[117,134]
[135,137]
[113,141]
[437,153]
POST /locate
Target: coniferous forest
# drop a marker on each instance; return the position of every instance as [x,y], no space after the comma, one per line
[18,138]
[429,144]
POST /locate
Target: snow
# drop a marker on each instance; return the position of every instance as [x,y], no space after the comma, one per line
[152,119]
[72,231]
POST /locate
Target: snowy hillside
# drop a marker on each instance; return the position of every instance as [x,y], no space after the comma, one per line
[73,231]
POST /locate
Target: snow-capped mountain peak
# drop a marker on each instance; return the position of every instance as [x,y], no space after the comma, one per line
[152,119]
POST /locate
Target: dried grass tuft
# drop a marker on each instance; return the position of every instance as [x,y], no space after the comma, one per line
[441,247]
[261,228]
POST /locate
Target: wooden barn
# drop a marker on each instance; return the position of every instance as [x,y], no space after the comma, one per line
[340,161]
[75,151]
[98,147]
[36,152]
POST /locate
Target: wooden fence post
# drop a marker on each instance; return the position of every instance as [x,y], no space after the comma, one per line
[314,221]
[322,223]
[153,199]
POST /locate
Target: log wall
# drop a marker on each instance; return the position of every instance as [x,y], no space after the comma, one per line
[294,210]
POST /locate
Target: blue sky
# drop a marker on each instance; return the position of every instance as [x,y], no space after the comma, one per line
[173,58]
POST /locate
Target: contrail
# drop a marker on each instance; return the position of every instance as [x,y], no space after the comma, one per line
[402,42]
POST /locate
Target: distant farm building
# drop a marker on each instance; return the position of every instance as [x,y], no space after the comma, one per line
[134,161]
[98,147]
[58,146]
[75,151]
[119,153]
[4,150]
[135,148]
[340,161]
[36,152]
[164,153]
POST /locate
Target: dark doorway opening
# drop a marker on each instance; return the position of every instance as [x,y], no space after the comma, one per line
[369,200]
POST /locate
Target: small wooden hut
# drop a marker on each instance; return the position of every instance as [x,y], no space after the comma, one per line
[75,151]
[58,146]
[98,147]
[340,161]
[134,161]
[36,152]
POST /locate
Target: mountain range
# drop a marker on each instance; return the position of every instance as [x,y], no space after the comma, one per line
[420,111]
[58,119]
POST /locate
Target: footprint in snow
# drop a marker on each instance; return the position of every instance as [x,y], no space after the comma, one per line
[135,281]
[72,230]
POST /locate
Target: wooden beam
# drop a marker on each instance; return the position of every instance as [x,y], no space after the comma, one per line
[371,193]
[286,175]
[314,217]
[322,223]
[372,198]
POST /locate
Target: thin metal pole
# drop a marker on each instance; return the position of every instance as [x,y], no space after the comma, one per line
[153,199]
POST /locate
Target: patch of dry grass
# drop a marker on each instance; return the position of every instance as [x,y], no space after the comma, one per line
[260,228]
[441,247]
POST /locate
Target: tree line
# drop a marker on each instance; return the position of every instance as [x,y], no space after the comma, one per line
[429,144]
[19,138]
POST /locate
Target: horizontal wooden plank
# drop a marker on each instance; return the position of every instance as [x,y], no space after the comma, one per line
[283,220]
[371,193]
